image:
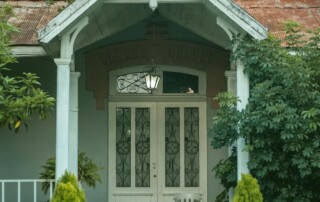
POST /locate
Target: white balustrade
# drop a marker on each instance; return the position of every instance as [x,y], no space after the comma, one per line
[35,182]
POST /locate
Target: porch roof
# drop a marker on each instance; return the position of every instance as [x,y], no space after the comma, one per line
[31,16]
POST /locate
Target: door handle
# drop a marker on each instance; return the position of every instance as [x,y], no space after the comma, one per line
[154,165]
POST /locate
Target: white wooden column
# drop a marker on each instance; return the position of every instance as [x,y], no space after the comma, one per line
[232,88]
[231,81]
[243,95]
[67,104]
[62,124]
[73,123]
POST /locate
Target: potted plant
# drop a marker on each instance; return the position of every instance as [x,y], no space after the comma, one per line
[88,171]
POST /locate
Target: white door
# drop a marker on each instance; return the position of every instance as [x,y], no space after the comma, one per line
[156,150]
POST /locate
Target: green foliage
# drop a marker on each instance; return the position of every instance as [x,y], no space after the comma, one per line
[48,173]
[281,123]
[6,30]
[226,171]
[20,96]
[68,190]
[88,171]
[247,190]
[223,134]
[225,122]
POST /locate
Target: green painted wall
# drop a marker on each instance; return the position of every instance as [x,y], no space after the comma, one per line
[22,154]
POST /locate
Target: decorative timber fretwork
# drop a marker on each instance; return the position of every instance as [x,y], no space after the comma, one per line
[163,52]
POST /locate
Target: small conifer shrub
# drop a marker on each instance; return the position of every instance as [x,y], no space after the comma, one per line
[247,190]
[68,190]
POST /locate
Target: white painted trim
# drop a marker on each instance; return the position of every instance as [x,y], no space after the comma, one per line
[231,82]
[232,88]
[153,4]
[28,51]
[62,113]
[243,95]
[242,18]
[73,123]
[160,98]
[68,38]
[19,182]
[62,21]
[147,1]
[227,27]
[157,189]
[69,15]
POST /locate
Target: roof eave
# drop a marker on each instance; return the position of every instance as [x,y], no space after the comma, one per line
[62,21]
[28,51]
[75,10]
[241,18]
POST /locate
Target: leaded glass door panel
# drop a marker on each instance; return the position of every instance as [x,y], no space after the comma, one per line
[182,149]
[155,150]
[132,146]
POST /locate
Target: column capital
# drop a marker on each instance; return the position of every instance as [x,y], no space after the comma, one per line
[75,75]
[230,73]
[62,61]
[239,63]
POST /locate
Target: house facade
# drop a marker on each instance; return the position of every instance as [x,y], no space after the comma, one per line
[93,57]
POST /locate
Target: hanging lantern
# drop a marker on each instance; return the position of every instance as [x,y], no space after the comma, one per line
[153,77]
[152,80]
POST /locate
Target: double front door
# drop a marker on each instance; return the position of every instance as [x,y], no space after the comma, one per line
[156,150]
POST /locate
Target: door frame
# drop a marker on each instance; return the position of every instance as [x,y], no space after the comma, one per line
[161,192]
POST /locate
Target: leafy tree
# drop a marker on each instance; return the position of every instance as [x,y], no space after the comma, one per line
[20,96]
[281,123]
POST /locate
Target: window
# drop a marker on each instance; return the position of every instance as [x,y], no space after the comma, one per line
[176,82]
[172,82]
[132,83]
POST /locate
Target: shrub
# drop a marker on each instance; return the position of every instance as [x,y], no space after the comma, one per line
[68,190]
[247,190]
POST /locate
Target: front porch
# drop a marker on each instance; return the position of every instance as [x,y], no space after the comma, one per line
[89,45]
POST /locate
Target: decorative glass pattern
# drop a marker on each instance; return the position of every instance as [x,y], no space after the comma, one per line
[142,147]
[132,83]
[123,147]
[172,141]
[191,159]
